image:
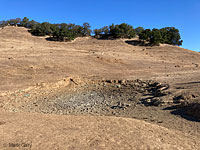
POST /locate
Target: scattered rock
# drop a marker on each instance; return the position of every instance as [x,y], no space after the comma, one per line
[26,95]
[177,66]
[120,105]
[153,102]
[2,122]
[100,96]
[185,97]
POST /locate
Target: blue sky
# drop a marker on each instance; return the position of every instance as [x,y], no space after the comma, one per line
[182,14]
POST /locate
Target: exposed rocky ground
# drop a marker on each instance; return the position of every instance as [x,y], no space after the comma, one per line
[146,100]
[101,96]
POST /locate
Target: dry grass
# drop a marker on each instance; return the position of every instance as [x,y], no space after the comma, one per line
[32,63]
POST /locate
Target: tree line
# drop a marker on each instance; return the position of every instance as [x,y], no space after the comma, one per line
[67,32]
[167,35]
[57,32]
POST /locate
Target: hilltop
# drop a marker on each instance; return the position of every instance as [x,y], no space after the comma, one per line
[89,77]
[35,59]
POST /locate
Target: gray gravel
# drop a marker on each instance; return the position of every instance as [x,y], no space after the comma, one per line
[109,97]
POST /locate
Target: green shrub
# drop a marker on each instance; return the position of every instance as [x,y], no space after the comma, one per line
[155,37]
[168,35]
[115,31]
[139,30]
[145,35]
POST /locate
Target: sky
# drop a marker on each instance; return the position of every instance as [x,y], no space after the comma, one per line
[182,14]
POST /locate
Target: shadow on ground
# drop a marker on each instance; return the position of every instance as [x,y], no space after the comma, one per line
[189,112]
[139,43]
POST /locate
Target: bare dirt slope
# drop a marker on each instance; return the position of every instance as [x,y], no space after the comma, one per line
[96,78]
[26,60]
[86,132]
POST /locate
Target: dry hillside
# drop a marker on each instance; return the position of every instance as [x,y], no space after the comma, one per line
[96,94]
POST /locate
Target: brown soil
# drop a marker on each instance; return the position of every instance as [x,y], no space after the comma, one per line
[86,132]
[97,78]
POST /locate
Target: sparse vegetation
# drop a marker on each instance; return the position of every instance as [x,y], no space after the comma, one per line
[67,32]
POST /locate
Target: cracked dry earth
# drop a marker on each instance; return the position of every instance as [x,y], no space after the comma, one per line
[96,94]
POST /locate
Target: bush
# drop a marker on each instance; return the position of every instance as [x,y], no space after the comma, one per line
[61,32]
[24,22]
[155,37]
[39,30]
[11,22]
[139,30]
[14,22]
[86,29]
[171,36]
[145,35]
[115,31]
[168,35]
[97,33]
[3,23]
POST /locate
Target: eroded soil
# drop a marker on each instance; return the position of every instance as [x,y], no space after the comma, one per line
[148,100]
